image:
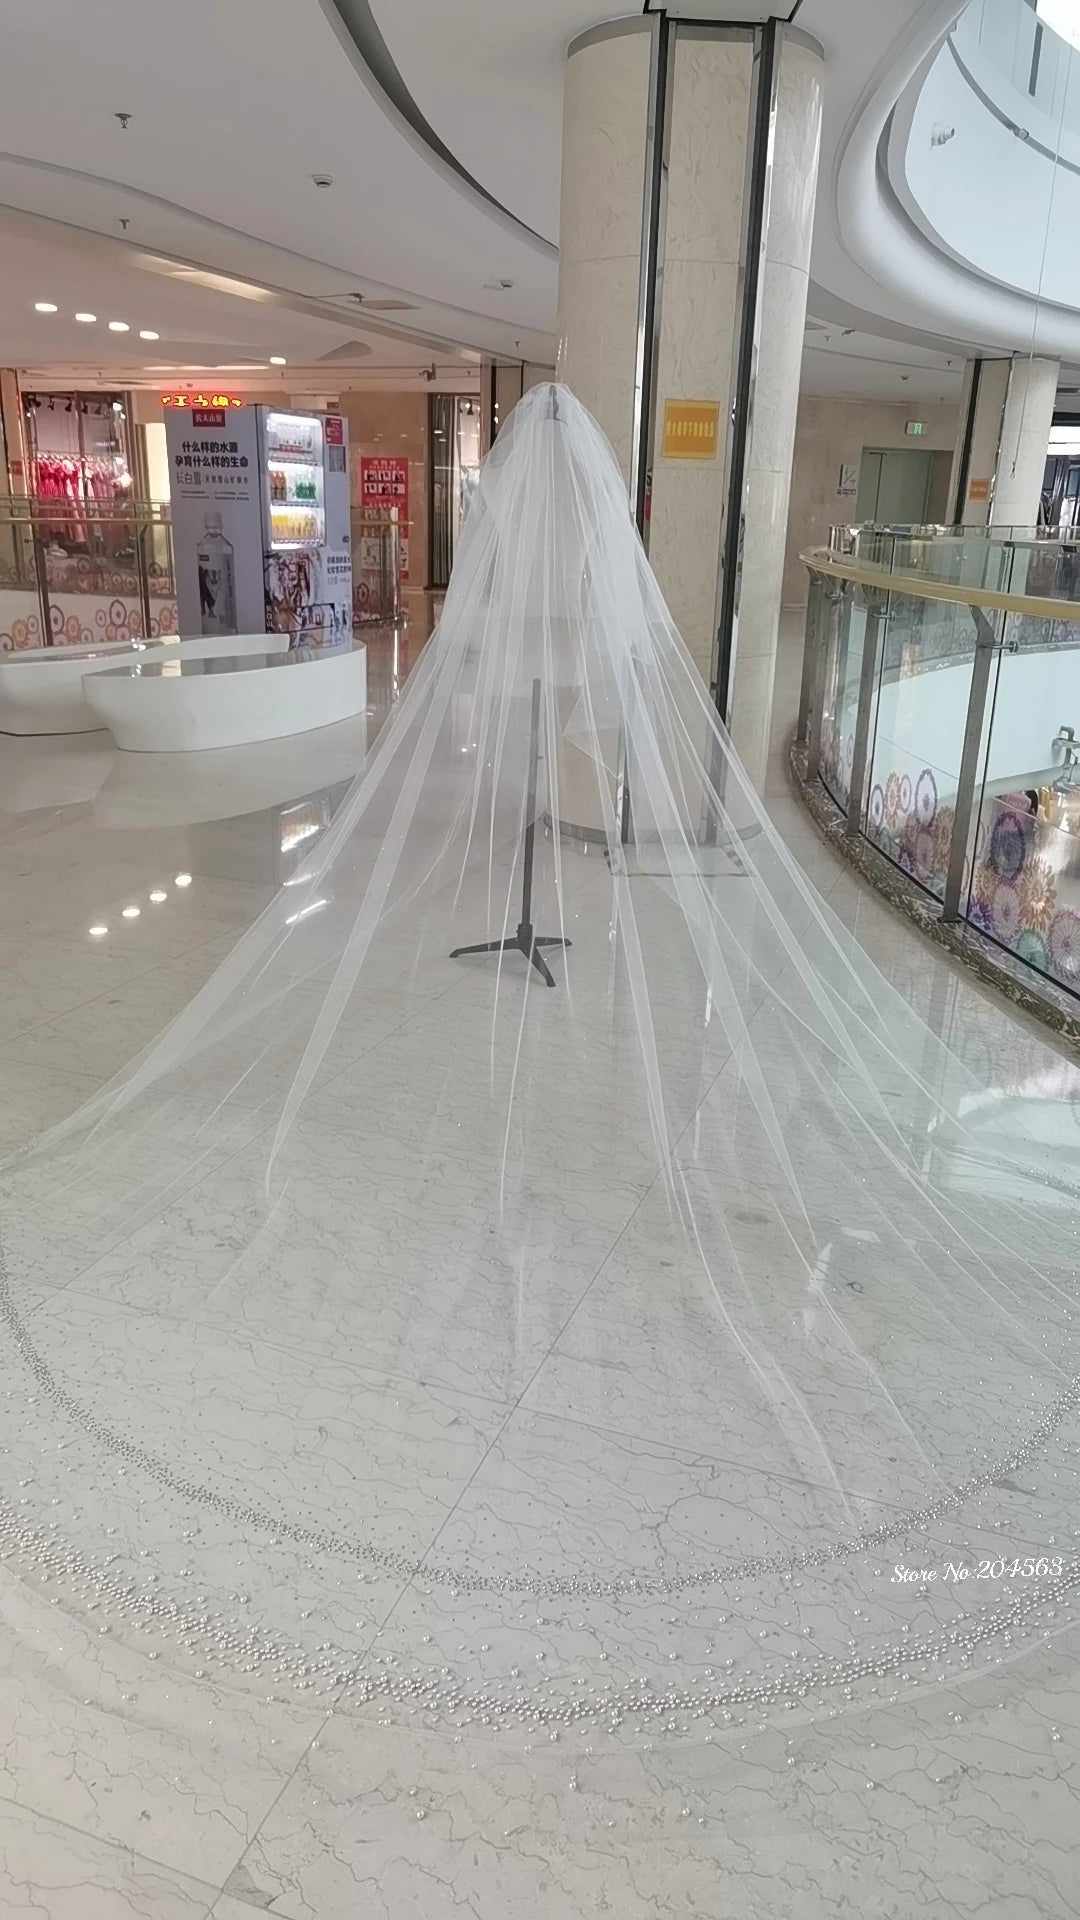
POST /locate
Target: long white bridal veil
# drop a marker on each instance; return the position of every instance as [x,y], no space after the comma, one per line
[546,1273]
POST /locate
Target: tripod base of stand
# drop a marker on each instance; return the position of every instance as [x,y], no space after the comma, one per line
[523,941]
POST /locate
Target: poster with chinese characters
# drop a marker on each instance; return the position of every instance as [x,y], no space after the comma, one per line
[337,553]
[216,518]
[384,483]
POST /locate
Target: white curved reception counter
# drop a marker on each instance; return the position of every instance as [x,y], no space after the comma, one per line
[41,688]
[186,704]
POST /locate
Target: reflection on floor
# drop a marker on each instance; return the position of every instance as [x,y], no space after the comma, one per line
[505,1420]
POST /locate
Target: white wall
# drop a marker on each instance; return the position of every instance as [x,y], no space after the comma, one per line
[830,433]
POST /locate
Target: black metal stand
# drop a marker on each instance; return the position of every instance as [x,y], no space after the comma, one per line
[525,940]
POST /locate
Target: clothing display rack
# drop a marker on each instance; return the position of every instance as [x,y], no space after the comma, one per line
[80,469]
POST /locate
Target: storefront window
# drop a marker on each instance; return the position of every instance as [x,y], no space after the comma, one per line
[453,465]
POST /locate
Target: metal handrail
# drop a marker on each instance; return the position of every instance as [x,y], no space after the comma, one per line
[866,629]
[924,586]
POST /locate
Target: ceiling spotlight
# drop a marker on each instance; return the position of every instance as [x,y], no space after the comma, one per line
[44,306]
[86,318]
[131,913]
[159,894]
[278,360]
[146,334]
[119,326]
[98,933]
[183,879]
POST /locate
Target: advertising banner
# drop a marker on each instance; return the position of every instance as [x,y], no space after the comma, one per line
[216,519]
[337,553]
[384,483]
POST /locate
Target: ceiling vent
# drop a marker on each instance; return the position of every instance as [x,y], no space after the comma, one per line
[377,305]
[352,350]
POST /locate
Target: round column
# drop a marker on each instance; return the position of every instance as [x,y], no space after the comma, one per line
[1025,441]
[689,169]
[1005,420]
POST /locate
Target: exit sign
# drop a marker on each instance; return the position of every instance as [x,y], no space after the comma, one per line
[915,426]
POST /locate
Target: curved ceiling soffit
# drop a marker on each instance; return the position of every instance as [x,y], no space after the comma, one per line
[357,30]
[882,242]
[893,156]
[260,287]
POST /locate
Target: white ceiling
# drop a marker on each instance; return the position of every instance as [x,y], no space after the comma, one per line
[847,364]
[203,329]
[234,108]
[236,105]
[488,79]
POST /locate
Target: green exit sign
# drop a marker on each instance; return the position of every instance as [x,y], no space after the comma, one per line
[915,426]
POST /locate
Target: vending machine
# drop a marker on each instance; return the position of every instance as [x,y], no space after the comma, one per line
[260,517]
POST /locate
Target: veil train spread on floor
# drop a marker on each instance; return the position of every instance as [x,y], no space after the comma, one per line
[550,1332]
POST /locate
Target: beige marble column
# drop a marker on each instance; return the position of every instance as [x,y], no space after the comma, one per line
[605,140]
[785,280]
[711,87]
[711,134]
[1025,441]
[1006,413]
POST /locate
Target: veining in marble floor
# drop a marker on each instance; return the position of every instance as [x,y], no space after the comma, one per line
[510,1413]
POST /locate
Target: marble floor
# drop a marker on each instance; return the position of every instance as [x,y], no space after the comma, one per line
[370,1553]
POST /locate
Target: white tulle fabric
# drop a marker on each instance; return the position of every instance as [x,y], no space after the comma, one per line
[829,1259]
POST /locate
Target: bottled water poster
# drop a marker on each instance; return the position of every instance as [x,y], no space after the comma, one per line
[217,519]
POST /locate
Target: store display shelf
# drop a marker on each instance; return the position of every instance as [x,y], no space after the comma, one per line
[285,458]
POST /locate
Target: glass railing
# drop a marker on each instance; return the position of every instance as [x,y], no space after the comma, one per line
[941,712]
[74,573]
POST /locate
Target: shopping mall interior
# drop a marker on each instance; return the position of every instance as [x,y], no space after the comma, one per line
[539,1194]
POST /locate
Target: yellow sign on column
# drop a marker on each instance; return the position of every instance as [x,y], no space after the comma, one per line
[690,429]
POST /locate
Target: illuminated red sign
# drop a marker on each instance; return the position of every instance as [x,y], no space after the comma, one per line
[201,400]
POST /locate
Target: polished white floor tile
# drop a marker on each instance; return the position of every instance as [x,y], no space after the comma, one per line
[447,1440]
[49,1871]
[360,1254]
[925,1809]
[101,1738]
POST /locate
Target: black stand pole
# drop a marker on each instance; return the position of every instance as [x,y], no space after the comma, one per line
[525,940]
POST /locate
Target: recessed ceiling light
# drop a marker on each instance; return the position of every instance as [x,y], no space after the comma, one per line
[183,879]
[87,318]
[44,306]
[119,326]
[158,896]
[131,913]
[98,933]
[145,333]
[278,360]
